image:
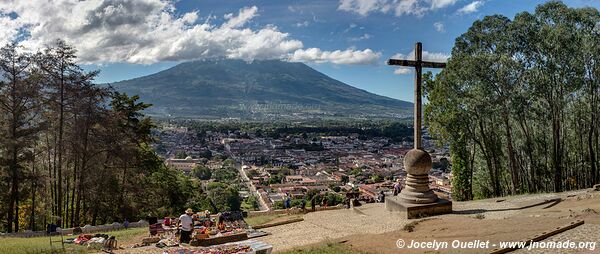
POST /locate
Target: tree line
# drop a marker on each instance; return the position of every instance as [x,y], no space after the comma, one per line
[395,129]
[72,152]
[518,103]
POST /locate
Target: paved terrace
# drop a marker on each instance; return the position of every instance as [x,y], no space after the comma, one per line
[374,219]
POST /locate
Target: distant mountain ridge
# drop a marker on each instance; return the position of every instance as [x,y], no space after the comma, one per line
[258,89]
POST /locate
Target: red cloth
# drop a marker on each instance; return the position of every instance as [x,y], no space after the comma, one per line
[81,239]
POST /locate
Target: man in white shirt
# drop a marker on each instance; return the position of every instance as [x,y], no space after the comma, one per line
[186,224]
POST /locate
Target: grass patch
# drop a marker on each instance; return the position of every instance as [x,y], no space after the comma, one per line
[330,248]
[259,220]
[410,227]
[41,245]
[264,219]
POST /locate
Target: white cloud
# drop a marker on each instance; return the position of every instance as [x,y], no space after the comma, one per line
[244,15]
[437,4]
[403,71]
[427,56]
[350,27]
[439,26]
[302,24]
[149,31]
[400,7]
[9,29]
[361,38]
[363,7]
[470,8]
[348,56]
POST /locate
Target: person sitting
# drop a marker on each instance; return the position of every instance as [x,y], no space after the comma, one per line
[221,224]
[207,223]
[381,197]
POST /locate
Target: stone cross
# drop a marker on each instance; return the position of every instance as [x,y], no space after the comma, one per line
[417,162]
[418,63]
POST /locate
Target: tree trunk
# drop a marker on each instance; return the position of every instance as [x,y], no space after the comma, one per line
[33,192]
[511,156]
[556,155]
[60,142]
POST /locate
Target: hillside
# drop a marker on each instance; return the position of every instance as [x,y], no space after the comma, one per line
[260,89]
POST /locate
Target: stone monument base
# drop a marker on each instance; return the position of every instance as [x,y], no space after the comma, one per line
[415,211]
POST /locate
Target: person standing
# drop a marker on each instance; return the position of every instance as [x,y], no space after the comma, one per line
[288,201]
[186,224]
[313,202]
[126,224]
[397,187]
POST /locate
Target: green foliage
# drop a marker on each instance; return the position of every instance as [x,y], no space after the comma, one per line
[345,179]
[41,245]
[376,178]
[202,172]
[170,193]
[207,154]
[462,175]
[252,173]
[356,171]
[517,103]
[250,204]
[297,202]
[225,174]
[278,205]
[395,129]
[333,199]
[276,178]
[311,193]
[224,198]
[181,155]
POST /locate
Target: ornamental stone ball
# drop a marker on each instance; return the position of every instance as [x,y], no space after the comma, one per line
[417,162]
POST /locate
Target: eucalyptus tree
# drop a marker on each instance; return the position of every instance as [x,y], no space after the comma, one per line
[519,101]
[589,21]
[480,77]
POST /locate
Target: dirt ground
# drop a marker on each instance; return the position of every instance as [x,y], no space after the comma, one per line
[454,228]
[532,217]
[371,229]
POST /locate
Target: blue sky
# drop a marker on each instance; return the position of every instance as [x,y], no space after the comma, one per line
[114,36]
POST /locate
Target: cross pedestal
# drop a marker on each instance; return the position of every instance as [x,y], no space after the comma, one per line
[416,198]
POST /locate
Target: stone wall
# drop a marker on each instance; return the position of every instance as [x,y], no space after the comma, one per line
[87,229]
